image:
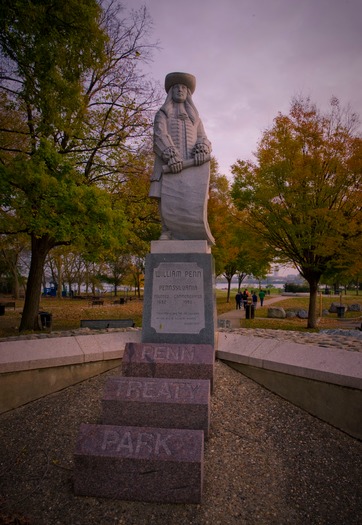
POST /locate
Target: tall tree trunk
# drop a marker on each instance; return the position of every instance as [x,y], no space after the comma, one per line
[229,287]
[15,272]
[12,258]
[59,267]
[39,250]
[241,277]
[313,295]
[138,286]
[16,286]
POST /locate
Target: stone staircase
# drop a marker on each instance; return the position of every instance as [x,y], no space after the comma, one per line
[149,445]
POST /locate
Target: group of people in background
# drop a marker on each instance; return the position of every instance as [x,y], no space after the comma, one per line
[244,298]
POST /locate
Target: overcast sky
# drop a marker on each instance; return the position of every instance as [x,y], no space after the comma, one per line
[250,57]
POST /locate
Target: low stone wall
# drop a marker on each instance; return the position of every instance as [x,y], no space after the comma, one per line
[33,368]
[326,382]
[337,405]
[19,388]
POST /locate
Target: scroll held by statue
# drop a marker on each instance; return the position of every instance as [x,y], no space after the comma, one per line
[184,199]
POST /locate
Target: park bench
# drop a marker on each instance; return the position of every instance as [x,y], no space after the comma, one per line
[99,324]
[97,302]
[121,300]
[45,320]
[8,304]
[224,323]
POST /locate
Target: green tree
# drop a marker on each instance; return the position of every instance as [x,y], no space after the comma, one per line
[10,252]
[346,269]
[74,110]
[116,268]
[141,211]
[221,223]
[142,217]
[137,272]
[49,203]
[237,249]
[303,195]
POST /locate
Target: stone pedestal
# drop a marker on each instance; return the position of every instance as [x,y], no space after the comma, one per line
[150,444]
[139,463]
[179,301]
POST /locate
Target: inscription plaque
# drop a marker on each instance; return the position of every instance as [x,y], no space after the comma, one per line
[178,298]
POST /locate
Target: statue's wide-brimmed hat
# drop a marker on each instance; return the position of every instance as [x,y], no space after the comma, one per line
[180,78]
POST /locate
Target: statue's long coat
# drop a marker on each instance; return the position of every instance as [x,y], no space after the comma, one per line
[175,131]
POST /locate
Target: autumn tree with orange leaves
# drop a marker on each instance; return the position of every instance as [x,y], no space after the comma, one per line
[237,249]
[303,194]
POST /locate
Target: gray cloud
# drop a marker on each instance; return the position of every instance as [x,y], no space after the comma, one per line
[250,57]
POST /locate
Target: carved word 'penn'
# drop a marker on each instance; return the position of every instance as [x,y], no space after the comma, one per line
[169,353]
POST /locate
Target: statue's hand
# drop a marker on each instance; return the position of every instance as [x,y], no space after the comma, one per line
[173,159]
[175,162]
[175,165]
[200,158]
[201,152]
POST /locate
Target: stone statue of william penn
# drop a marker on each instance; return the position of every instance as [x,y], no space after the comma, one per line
[181,147]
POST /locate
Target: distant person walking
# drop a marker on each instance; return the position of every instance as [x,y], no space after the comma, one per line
[255,299]
[245,298]
[261,297]
[238,299]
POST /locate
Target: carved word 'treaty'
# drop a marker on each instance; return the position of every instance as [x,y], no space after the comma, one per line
[159,390]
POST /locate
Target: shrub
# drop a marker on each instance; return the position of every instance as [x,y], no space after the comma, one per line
[295,288]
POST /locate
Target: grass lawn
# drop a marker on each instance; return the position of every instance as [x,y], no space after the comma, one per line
[67,312]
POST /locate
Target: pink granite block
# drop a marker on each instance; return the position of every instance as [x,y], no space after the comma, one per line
[157,402]
[139,463]
[174,361]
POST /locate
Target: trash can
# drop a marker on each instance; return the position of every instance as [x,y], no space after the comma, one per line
[249,311]
[340,311]
[46,320]
[2,309]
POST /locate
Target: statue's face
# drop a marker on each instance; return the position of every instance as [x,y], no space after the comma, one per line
[179,93]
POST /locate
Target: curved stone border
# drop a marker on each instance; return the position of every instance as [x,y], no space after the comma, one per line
[326,375]
[326,382]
